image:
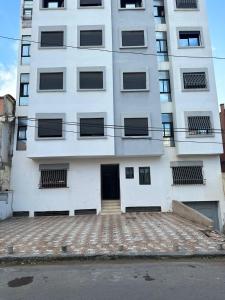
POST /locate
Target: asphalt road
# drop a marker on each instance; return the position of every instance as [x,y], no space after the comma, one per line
[115,280]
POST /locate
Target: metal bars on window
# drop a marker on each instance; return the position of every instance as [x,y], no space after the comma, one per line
[199,125]
[53,179]
[195,80]
[187,4]
[185,175]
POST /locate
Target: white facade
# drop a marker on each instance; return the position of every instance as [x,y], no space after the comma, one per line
[85,156]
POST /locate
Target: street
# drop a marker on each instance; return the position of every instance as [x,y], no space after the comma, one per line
[122,279]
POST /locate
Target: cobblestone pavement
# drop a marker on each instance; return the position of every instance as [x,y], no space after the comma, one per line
[131,234]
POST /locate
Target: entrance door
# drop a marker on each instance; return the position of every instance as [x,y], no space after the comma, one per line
[110,181]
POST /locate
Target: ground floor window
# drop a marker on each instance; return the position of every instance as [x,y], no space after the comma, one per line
[186,175]
[144,176]
[53,176]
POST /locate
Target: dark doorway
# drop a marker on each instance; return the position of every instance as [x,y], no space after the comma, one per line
[110,180]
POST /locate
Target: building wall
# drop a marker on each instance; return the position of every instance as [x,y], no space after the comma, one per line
[86,156]
[136,103]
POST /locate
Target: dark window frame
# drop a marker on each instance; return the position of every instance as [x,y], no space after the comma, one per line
[141,132]
[188,38]
[145,178]
[143,35]
[59,132]
[43,6]
[41,80]
[59,178]
[129,172]
[140,4]
[91,5]
[100,127]
[82,45]
[59,44]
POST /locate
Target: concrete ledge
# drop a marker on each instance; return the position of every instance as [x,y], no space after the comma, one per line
[17,260]
[190,214]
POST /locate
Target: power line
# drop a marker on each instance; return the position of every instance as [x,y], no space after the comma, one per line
[118,127]
[134,138]
[119,52]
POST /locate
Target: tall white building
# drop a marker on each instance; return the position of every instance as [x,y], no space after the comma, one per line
[114,103]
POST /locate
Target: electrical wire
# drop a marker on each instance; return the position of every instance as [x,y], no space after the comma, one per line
[119,52]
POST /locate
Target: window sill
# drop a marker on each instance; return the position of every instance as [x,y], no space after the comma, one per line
[91,137]
[54,8]
[136,137]
[195,90]
[130,8]
[53,48]
[91,90]
[51,91]
[49,138]
[134,47]
[191,47]
[91,47]
[90,7]
[134,90]
[196,136]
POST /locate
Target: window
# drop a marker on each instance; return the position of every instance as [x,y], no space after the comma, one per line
[164,85]
[52,39]
[133,38]
[134,81]
[184,173]
[91,3]
[187,4]
[53,176]
[199,125]
[194,80]
[21,144]
[144,176]
[27,13]
[92,127]
[50,128]
[131,4]
[129,172]
[24,89]
[161,44]
[189,39]
[168,132]
[92,79]
[25,49]
[52,81]
[136,127]
[91,37]
[53,4]
[159,11]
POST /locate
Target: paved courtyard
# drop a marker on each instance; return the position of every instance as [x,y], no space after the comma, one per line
[129,234]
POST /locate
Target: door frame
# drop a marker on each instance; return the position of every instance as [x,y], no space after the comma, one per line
[101,186]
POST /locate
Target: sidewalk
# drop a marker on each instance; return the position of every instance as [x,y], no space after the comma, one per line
[132,234]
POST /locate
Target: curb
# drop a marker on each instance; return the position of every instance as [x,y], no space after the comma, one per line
[41,259]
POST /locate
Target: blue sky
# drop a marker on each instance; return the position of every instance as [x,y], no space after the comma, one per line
[9,15]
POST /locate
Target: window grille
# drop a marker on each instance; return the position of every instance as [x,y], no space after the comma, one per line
[187,4]
[185,175]
[199,125]
[53,179]
[195,80]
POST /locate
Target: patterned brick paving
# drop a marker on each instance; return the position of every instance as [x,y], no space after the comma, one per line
[133,233]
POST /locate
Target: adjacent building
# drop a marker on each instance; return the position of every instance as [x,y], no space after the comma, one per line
[114,104]
[7,123]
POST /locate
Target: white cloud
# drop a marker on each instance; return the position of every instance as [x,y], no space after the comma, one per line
[8,77]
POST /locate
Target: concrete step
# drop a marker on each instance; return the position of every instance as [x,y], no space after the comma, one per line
[111,207]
